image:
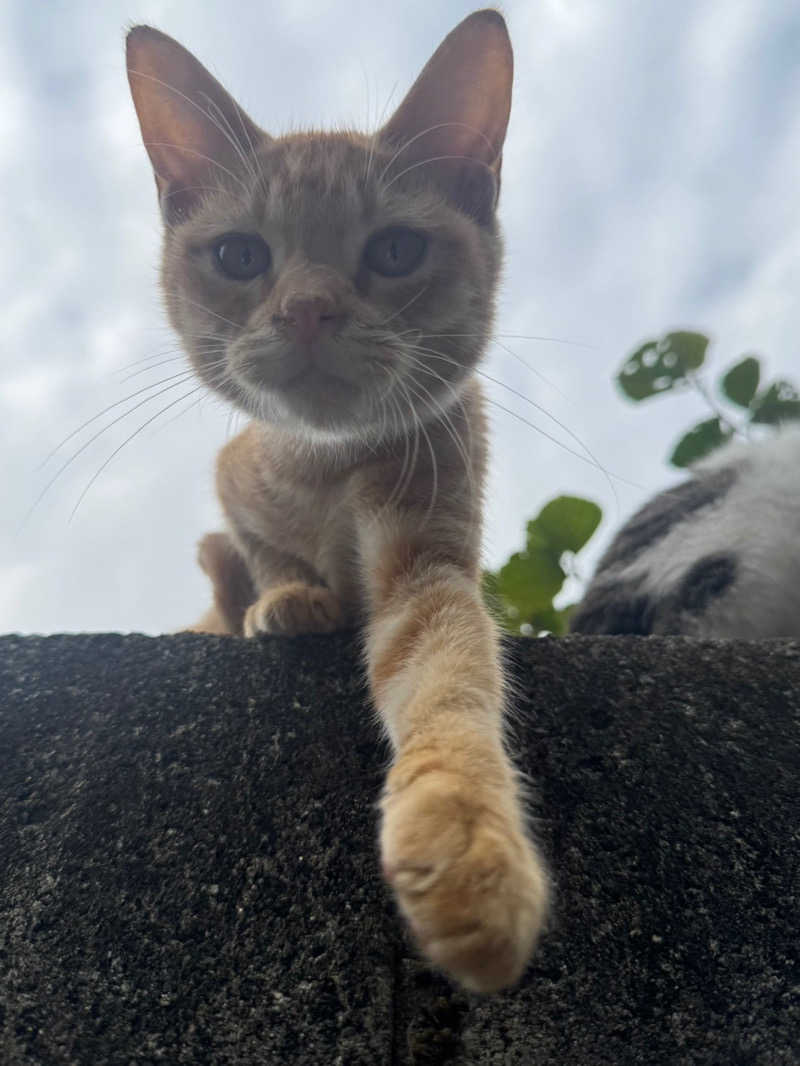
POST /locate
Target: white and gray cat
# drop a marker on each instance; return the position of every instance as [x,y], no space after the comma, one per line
[716,556]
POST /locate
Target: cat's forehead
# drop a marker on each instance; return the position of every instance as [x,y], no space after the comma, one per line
[301,171]
[330,180]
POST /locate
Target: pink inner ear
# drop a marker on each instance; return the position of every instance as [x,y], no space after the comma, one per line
[460,103]
[194,131]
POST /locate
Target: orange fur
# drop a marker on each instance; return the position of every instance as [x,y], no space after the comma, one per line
[355,494]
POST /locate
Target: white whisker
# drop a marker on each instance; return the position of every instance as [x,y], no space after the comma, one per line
[423,133]
[183,374]
[436,159]
[127,440]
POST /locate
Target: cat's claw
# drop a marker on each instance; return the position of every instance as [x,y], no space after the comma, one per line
[294,608]
[466,877]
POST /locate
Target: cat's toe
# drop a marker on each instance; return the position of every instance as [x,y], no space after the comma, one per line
[466,877]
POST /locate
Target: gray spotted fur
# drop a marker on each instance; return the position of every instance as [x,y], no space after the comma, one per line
[716,556]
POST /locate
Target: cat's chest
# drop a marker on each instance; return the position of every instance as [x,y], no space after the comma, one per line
[317,523]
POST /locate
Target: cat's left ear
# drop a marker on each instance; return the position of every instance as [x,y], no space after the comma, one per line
[453,120]
[195,133]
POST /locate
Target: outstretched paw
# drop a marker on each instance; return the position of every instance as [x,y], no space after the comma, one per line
[464,873]
[292,609]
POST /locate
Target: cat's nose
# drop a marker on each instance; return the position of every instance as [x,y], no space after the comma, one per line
[307,318]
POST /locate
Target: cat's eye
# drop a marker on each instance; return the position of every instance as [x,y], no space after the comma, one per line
[241,256]
[395,252]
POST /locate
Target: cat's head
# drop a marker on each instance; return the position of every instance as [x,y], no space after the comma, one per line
[338,284]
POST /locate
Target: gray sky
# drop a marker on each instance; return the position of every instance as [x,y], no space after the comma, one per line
[650,182]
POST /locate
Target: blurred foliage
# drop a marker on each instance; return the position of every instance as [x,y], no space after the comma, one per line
[521,592]
[658,366]
[671,363]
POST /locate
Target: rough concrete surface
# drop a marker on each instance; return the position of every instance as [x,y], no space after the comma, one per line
[188,863]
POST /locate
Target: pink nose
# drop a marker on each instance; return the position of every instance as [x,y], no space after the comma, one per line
[307,318]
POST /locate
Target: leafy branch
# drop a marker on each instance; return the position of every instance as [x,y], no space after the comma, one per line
[671,363]
[521,592]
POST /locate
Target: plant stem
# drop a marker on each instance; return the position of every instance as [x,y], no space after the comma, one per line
[700,385]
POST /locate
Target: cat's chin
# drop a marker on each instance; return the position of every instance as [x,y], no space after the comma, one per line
[319,405]
[322,400]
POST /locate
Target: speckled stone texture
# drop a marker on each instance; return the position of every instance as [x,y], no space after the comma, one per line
[188,861]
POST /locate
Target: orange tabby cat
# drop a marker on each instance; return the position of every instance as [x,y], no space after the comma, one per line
[340,288]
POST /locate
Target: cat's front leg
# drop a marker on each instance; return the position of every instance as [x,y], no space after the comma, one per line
[453,841]
[291,598]
[295,601]
[275,539]
[231,584]
[293,608]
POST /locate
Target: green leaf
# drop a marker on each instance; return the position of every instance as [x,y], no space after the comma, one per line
[565,615]
[779,403]
[548,619]
[530,580]
[658,366]
[567,522]
[553,621]
[704,438]
[521,592]
[689,347]
[741,382]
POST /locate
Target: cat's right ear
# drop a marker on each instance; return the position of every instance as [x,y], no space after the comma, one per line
[196,135]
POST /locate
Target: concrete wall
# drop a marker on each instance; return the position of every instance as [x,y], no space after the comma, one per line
[188,865]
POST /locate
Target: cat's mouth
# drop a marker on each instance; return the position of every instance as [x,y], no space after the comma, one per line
[316,394]
[291,369]
[312,375]
[335,387]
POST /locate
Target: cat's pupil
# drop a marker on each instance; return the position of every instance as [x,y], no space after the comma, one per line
[395,252]
[241,256]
